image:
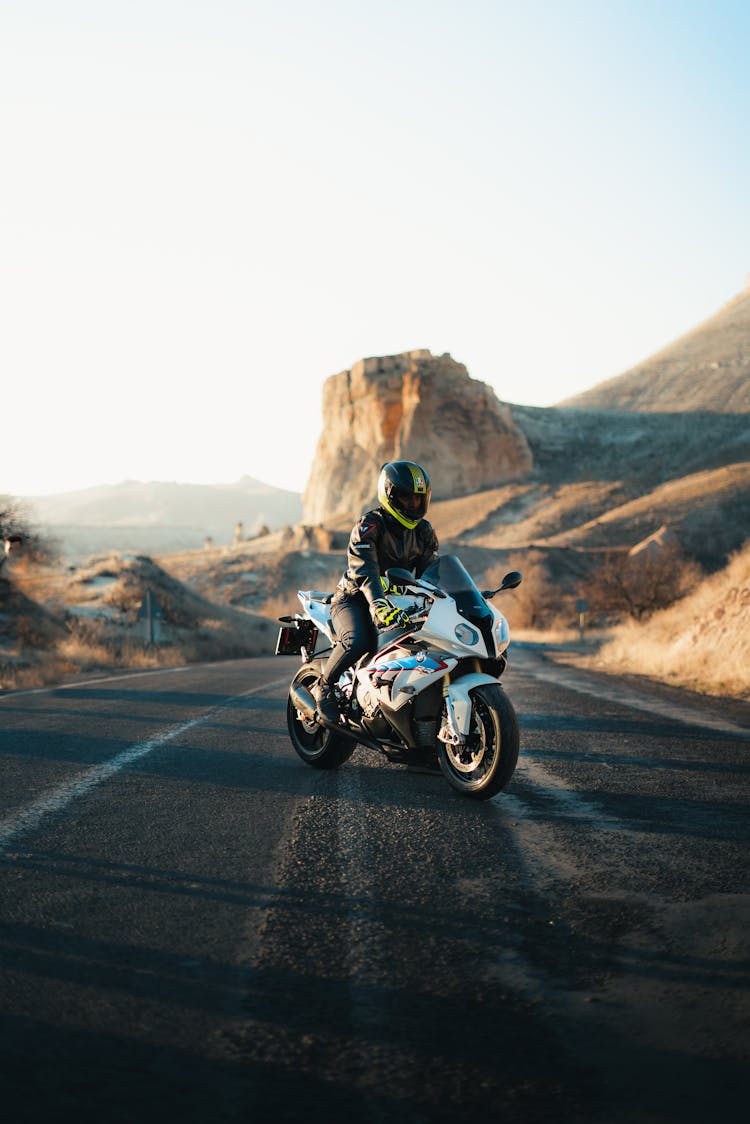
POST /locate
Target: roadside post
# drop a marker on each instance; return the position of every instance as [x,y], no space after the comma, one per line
[150,613]
[582,607]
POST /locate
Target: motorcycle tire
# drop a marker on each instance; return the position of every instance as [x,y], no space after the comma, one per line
[482,770]
[316,745]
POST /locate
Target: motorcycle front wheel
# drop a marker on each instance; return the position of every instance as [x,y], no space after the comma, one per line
[315,744]
[484,766]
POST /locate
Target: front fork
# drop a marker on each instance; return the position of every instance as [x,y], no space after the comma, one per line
[456,727]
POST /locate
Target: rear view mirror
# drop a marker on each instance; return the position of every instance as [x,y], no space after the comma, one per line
[512,580]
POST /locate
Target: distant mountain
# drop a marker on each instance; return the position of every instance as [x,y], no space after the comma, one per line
[708,369]
[157,516]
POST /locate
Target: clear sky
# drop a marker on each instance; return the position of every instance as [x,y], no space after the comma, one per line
[207,207]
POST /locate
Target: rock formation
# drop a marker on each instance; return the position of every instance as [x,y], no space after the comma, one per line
[413,406]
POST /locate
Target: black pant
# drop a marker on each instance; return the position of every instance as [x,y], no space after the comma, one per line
[355,633]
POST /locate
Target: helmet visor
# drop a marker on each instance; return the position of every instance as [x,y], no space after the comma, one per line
[411,504]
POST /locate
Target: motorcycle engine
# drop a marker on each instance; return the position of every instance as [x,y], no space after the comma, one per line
[378,727]
[368,700]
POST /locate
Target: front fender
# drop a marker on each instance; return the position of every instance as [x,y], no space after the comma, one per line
[459,693]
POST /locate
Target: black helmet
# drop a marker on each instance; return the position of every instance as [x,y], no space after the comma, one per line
[404,491]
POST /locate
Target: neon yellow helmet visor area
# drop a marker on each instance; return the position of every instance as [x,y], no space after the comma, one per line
[404,491]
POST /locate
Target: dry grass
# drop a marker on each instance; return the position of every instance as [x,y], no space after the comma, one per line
[79,654]
[285,605]
[60,625]
[701,642]
[93,649]
[82,652]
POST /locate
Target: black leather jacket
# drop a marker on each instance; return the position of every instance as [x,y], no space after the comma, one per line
[377,542]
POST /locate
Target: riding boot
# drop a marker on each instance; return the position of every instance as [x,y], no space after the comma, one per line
[326,699]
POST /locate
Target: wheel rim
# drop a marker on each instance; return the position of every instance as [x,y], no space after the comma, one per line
[311,737]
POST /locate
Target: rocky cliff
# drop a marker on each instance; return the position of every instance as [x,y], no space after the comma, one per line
[413,406]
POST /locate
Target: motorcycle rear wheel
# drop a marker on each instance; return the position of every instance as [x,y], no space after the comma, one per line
[485,768]
[315,744]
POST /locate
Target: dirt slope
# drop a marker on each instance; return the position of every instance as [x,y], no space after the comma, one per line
[701,642]
[706,369]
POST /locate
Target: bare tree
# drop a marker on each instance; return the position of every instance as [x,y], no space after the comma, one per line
[17,533]
[637,583]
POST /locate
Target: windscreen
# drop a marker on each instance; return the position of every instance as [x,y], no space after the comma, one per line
[449,573]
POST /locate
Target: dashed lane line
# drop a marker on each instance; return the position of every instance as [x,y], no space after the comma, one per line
[30,817]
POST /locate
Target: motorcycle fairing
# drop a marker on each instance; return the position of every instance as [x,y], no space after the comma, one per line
[318,610]
[395,676]
[440,629]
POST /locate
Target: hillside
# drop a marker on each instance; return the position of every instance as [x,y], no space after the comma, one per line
[58,622]
[702,642]
[640,450]
[708,368]
[709,512]
[609,479]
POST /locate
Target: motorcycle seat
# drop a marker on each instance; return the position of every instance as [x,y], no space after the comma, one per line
[323,598]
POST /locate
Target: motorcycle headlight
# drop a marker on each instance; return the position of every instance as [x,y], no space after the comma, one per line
[466,634]
[502,635]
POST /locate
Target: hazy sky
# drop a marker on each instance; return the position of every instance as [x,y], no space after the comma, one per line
[207,208]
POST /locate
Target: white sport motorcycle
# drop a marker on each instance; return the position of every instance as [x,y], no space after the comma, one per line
[429,696]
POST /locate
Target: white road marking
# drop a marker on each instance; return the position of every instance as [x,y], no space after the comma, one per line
[568,803]
[96,680]
[624,695]
[29,818]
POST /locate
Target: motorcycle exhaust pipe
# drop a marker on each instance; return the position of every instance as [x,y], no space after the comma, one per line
[305,703]
[303,700]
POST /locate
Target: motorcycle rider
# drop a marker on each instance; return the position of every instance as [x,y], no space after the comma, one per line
[394,534]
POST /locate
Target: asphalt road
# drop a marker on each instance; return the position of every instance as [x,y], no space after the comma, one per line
[195,926]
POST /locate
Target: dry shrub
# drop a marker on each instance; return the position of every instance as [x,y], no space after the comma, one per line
[701,642]
[26,675]
[535,603]
[637,585]
[33,547]
[85,655]
[284,606]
